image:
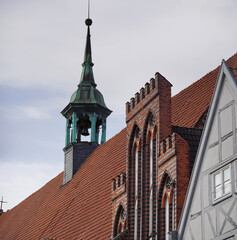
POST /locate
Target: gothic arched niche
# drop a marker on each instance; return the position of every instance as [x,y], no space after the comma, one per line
[149,163]
[148,127]
[120,221]
[134,177]
[166,205]
[134,138]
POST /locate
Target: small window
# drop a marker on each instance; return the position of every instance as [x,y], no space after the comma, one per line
[221,180]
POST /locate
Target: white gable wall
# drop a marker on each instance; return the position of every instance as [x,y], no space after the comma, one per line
[210,210]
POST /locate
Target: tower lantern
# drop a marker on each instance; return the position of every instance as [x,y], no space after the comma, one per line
[85,115]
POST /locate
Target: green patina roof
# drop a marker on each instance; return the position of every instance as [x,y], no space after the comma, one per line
[87,98]
[87,77]
[87,94]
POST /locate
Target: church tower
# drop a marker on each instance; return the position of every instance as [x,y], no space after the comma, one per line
[85,115]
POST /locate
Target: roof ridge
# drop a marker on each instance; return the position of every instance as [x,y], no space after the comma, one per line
[228,61]
[199,80]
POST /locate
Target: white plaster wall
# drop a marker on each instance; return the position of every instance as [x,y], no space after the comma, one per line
[213,136]
[214,221]
[226,96]
[211,158]
[196,206]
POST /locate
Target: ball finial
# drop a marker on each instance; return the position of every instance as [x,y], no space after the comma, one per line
[88,22]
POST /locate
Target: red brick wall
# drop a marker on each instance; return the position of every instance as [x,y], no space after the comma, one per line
[119,197]
[152,100]
[170,160]
[182,173]
[173,161]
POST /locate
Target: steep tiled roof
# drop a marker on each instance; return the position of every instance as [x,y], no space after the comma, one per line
[189,104]
[82,208]
[79,210]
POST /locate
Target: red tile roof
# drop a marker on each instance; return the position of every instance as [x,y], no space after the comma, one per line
[82,208]
[190,103]
[79,210]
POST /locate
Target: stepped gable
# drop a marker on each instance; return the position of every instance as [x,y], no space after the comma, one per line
[188,105]
[80,209]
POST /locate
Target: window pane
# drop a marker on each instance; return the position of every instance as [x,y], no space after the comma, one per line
[222,182]
[217,179]
[227,186]
[226,174]
[217,191]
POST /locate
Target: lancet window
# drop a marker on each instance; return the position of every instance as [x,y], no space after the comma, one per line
[167,207]
[120,222]
[135,179]
[136,193]
[151,188]
[151,141]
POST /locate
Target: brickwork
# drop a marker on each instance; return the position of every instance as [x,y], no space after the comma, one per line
[173,162]
[148,117]
[182,173]
[150,112]
[134,145]
[119,203]
[158,164]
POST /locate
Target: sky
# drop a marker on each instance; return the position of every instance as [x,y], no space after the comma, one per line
[41,51]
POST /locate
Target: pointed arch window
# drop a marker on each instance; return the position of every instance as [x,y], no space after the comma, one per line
[120,222]
[151,187]
[151,142]
[135,180]
[136,193]
[166,220]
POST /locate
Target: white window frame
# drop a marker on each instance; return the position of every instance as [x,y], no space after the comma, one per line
[223,195]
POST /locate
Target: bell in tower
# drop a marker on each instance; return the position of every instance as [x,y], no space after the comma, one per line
[85,115]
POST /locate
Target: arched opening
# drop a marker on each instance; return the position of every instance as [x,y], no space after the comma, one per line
[136,191]
[165,206]
[149,176]
[134,178]
[166,219]
[150,141]
[120,221]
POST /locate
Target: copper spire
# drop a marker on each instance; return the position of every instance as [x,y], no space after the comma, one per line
[87,77]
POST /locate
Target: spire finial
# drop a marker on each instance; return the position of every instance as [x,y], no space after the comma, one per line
[87,73]
[88,20]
